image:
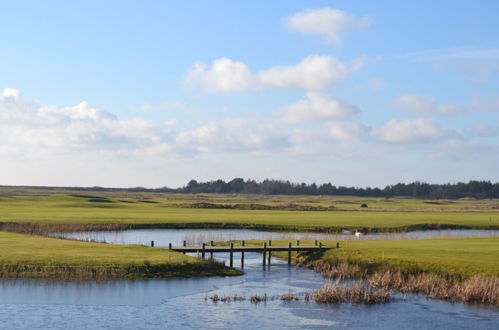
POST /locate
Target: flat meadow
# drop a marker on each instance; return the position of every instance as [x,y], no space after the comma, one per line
[307,213]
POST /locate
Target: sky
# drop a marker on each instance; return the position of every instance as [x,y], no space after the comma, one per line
[156,93]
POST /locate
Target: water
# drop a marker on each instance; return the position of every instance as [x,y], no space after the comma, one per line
[180,303]
[162,237]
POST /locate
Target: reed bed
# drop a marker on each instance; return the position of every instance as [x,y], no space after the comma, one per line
[336,269]
[475,289]
[358,293]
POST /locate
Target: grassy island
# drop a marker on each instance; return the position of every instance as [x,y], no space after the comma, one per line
[42,257]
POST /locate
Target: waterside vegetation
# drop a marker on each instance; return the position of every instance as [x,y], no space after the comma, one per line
[460,269]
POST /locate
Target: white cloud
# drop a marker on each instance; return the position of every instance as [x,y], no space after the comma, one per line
[232,134]
[409,131]
[318,107]
[314,72]
[225,75]
[426,105]
[25,126]
[348,131]
[329,23]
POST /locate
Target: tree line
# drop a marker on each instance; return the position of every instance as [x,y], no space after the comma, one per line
[474,189]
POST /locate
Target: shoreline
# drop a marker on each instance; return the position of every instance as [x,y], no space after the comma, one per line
[44,228]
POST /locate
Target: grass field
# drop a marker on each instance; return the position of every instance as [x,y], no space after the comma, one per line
[34,256]
[461,257]
[175,209]
[458,256]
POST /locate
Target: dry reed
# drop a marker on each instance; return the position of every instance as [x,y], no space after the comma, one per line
[358,293]
[476,289]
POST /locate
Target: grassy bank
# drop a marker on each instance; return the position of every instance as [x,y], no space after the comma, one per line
[41,257]
[457,257]
[174,211]
[465,269]
[461,257]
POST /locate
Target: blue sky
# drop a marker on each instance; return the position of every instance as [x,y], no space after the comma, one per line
[154,93]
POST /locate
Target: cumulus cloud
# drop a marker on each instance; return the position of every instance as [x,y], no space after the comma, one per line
[318,107]
[25,125]
[329,23]
[315,72]
[409,131]
[232,134]
[426,105]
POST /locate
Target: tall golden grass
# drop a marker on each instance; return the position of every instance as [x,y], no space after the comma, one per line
[476,289]
[357,293]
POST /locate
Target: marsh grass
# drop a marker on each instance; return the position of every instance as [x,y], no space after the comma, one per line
[475,289]
[357,293]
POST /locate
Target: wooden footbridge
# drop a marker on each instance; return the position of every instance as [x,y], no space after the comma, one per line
[266,249]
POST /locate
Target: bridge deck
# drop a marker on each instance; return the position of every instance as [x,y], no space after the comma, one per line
[215,249]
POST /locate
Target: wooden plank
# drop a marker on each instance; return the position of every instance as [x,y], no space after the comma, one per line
[219,249]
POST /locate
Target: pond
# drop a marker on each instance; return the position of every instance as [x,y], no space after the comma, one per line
[181,303]
[162,237]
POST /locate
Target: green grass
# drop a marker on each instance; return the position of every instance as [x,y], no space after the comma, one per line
[458,256]
[450,256]
[170,209]
[19,251]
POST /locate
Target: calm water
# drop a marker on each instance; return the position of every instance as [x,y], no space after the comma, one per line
[180,303]
[162,237]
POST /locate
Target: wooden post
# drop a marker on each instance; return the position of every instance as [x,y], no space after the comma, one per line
[185,243]
[315,242]
[170,246]
[289,253]
[203,251]
[211,253]
[297,242]
[337,245]
[231,262]
[242,256]
[320,246]
[152,243]
[264,253]
[270,242]
[269,254]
